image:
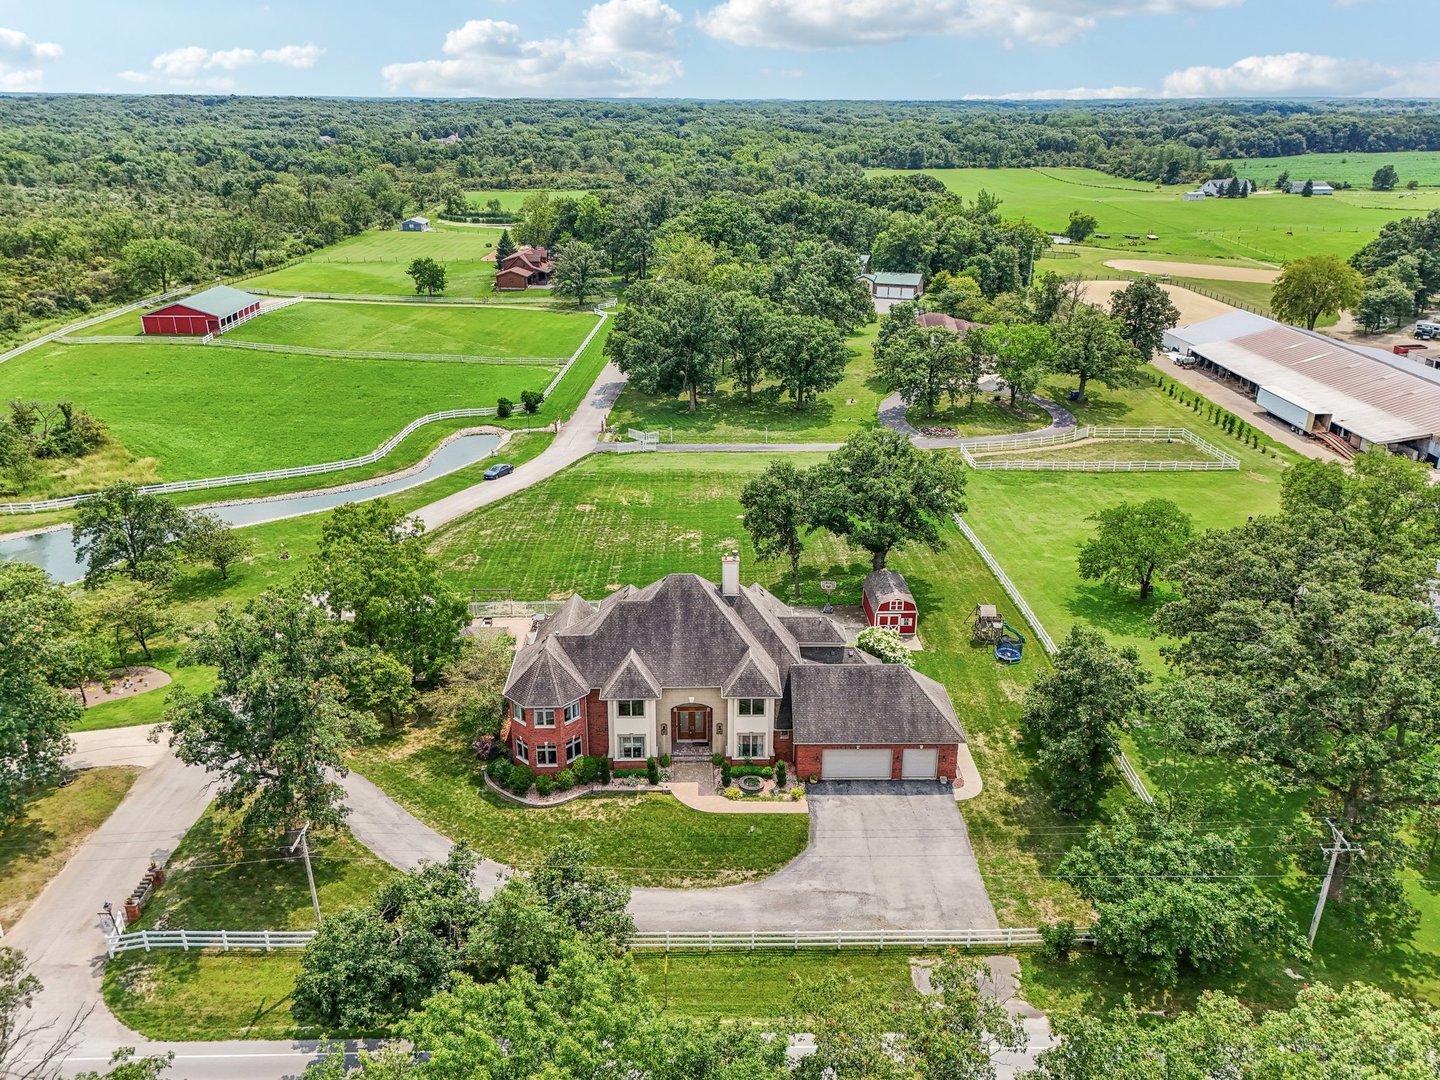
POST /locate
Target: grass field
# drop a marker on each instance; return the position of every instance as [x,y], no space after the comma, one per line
[1105,450]
[56,821]
[374,263]
[205,995]
[985,417]
[1268,226]
[200,411]
[726,416]
[647,839]
[1348,168]
[512,198]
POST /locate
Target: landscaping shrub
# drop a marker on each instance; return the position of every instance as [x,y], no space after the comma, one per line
[779,774]
[604,771]
[520,779]
[664,761]
[487,747]
[1057,939]
[564,779]
[652,770]
[763,771]
[544,784]
[717,760]
[531,400]
[885,643]
[734,794]
[586,769]
[725,773]
[499,770]
[632,774]
[503,408]
[797,793]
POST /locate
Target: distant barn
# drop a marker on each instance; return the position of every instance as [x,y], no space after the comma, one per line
[210,312]
[415,224]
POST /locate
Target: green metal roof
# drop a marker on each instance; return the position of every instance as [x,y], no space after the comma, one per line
[219,301]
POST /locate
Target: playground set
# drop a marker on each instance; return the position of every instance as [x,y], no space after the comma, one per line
[989,627]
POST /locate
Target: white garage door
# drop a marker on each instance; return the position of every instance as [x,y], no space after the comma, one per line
[855,764]
[920,764]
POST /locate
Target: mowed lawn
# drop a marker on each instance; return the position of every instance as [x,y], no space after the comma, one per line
[469,331]
[728,416]
[202,411]
[374,263]
[511,199]
[647,839]
[1349,168]
[1268,226]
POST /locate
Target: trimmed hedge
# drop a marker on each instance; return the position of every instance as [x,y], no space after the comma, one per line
[521,778]
[544,784]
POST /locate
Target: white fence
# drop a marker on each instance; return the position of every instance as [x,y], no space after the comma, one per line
[55,335]
[1127,770]
[503,609]
[648,440]
[665,940]
[270,474]
[976,452]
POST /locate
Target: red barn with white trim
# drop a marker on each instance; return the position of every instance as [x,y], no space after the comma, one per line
[210,312]
[888,602]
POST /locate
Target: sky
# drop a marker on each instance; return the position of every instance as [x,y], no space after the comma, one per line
[798,49]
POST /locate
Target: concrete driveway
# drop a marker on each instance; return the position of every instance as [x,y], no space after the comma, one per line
[882,854]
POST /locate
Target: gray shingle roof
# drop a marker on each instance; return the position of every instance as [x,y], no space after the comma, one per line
[813,630]
[631,682]
[542,676]
[882,586]
[220,301]
[750,679]
[838,704]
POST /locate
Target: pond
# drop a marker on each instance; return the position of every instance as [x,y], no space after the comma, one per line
[54,551]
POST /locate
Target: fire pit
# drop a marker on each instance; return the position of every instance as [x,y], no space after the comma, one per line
[751,785]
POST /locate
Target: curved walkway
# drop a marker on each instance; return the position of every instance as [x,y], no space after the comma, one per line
[892,415]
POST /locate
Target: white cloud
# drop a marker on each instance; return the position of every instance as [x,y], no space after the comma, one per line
[1279,75]
[20,80]
[817,24]
[17,41]
[621,48]
[188,65]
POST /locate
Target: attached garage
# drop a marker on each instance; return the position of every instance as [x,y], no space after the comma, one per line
[856,764]
[872,722]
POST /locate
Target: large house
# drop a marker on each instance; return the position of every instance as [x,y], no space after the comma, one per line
[689,668]
[1219,189]
[523,268]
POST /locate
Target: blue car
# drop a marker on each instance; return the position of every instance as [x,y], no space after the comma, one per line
[494,472]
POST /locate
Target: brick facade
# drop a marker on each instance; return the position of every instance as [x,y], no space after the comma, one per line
[597,725]
[521,727]
[808,758]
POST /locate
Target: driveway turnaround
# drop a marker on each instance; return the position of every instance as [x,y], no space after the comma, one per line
[883,854]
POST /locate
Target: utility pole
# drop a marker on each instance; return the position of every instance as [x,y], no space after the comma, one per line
[1338,845]
[304,846]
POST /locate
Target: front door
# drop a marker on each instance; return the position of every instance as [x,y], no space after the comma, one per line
[692,723]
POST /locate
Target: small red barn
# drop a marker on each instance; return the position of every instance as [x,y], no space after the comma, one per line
[888,602]
[210,312]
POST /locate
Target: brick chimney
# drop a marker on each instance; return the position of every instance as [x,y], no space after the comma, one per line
[730,574]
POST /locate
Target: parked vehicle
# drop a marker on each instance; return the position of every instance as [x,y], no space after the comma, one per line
[494,472]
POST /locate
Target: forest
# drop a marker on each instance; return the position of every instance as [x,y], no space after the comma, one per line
[112,198]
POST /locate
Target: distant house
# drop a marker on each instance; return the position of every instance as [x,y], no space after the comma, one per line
[210,312]
[888,602]
[948,322]
[1194,196]
[415,224]
[1297,187]
[524,268]
[1216,189]
[891,288]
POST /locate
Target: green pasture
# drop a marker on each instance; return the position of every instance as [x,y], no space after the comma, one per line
[1268,226]
[473,331]
[1356,169]
[205,411]
[374,263]
[512,198]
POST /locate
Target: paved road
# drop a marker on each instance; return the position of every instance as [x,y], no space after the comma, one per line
[578,437]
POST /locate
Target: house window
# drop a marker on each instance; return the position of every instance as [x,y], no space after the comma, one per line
[629,708]
[632,747]
[522,752]
[572,711]
[542,717]
[545,754]
[752,706]
[573,750]
[752,746]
